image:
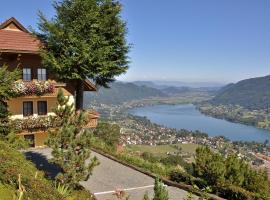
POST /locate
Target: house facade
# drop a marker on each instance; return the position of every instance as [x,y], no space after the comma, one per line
[36,90]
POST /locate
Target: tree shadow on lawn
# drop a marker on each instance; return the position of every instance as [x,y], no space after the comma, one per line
[43,164]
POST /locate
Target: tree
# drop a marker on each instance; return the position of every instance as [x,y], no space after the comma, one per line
[85,39]
[70,144]
[109,133]
[209,166]
[7,79]
[160,191]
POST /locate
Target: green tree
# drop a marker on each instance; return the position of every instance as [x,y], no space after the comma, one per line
[109,133]
[160,191]
[7,79]
[231,176]
[85,39]
[209,166]
[70,144]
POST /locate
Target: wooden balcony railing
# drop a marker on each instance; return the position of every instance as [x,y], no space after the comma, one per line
[33,124]
[92,119]
[43,123]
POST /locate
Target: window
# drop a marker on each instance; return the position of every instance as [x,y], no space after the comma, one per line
[42,107]
[42,74]
[27,108]
[27,74]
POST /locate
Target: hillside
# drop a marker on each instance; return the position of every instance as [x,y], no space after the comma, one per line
[120,92]
[251,93]
[14,163]
[174,91]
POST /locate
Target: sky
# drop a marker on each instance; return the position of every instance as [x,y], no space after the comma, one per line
[183,40]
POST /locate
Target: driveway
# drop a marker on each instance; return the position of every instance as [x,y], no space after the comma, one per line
[108,177]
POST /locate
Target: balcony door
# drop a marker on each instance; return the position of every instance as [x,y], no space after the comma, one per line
[27,74]
[42,74]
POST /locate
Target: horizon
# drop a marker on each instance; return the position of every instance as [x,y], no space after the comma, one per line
[190,41]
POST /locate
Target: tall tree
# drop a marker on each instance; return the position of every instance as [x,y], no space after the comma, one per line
[85,39]
[70,144]
[7,79]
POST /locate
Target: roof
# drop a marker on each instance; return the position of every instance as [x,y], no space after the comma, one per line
[89,86]
[16,38]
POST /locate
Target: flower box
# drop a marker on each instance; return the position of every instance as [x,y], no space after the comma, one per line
[21,88]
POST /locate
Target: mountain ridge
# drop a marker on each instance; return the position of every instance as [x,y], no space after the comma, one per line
[253,93]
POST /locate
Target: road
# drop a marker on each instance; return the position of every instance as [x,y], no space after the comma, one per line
[110,176]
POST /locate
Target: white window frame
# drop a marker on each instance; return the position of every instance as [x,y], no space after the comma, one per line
[42,74]
[27,74]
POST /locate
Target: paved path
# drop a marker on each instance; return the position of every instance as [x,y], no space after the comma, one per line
[110,176]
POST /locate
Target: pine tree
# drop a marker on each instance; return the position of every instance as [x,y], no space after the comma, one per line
[160,191]
[70,144]
[86,39]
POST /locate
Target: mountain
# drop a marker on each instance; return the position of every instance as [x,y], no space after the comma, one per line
[146,83]
[178,84]
[174,91]
[120,92]
[251,93]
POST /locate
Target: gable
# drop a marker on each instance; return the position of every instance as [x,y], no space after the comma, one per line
[13,25]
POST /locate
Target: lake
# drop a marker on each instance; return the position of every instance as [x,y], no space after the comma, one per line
[186,116]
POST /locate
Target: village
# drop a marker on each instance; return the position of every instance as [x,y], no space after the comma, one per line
[136,130]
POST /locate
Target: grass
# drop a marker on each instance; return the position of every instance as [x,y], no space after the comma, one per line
[160,150]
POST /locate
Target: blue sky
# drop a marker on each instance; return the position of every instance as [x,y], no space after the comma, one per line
[184,40]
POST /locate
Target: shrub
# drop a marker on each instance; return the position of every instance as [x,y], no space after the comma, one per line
[160,191]
[181,177]
[236,193]
[231,171]
[156,168]
[13,163]
[81,195]
[7,192]
[199,182]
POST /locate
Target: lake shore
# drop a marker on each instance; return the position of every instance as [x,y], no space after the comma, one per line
[188,117]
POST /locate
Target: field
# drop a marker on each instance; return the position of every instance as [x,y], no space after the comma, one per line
[161,150]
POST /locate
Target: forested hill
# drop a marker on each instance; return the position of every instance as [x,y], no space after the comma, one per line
[251,93]
[120,92]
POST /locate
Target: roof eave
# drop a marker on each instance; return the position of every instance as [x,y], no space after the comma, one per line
[18,51]
[89,86]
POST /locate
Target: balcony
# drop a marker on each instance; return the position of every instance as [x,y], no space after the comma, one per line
[35,87]
[92,118]
[34,124]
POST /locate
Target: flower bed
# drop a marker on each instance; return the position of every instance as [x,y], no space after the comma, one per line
[21,88]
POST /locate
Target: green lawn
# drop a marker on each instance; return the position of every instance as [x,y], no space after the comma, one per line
[163,149]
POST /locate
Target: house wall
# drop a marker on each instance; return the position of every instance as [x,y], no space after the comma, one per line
[32,61]
[16,105]
[40,139]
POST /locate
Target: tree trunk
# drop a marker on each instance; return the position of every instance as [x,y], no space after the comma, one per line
[79,95]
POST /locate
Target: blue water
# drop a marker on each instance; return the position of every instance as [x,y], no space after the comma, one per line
[186,116]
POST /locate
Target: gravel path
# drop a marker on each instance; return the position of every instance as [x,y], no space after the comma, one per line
[110,176]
